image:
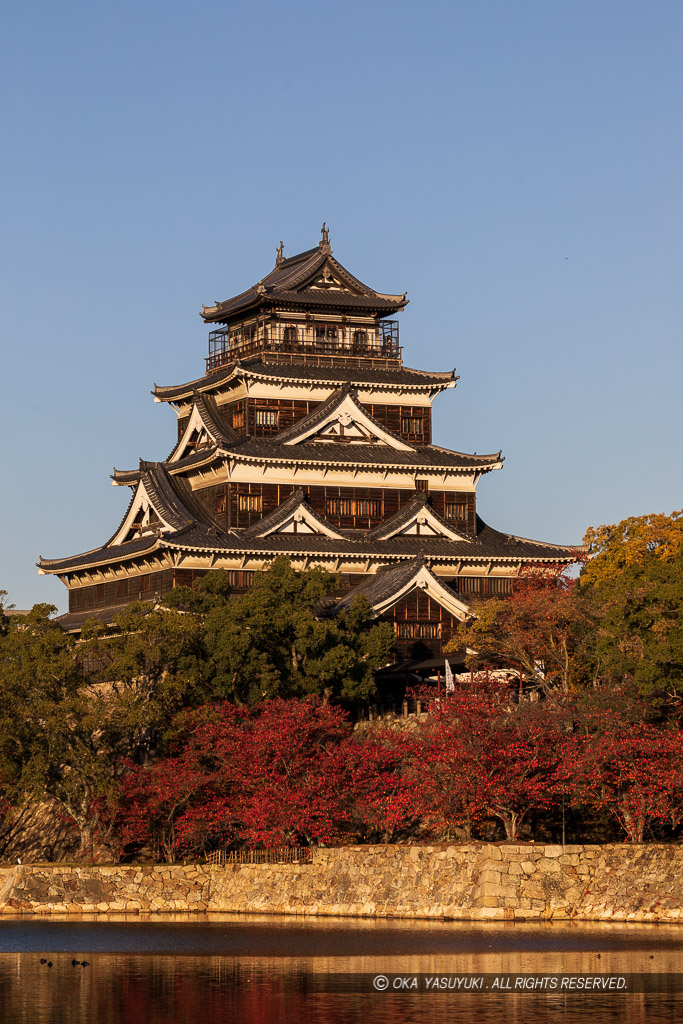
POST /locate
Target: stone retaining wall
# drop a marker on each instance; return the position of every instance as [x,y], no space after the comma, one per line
[477,881]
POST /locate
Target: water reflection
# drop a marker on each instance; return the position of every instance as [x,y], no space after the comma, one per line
[225,969]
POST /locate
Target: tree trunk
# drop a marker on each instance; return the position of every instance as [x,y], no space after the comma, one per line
[510,822]
[86,840]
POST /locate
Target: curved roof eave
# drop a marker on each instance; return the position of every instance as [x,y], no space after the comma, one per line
[284,284]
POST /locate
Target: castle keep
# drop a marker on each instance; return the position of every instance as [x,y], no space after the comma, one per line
[308,437]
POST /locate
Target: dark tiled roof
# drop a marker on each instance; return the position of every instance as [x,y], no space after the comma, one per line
[126,477]
[281,514]
[425,457]
[404,516]
[173,392]
[305,373]
[199,457]
[101,556]
[216,427]
[284,285]
[387,582]
[487,544]
[318,415]
[508,545]
[196,537]
[193,529]
[73,622]
[164,496]
[403,376]
[217,431]
[174,503]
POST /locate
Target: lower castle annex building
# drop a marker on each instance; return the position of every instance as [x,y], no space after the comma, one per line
[308,437]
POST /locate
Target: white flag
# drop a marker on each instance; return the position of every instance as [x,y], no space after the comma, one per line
[450,684]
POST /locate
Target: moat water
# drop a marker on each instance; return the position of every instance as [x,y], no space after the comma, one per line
[224,969]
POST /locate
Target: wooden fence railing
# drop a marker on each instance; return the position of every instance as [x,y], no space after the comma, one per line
[275,855]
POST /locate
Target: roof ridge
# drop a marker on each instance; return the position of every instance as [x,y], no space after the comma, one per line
[207,405]
[313,417]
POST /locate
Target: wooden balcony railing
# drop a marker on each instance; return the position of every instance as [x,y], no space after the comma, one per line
[325,340]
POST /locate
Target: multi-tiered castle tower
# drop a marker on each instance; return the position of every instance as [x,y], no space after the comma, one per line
[308,437]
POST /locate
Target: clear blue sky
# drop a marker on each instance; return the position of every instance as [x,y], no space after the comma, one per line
[517,167]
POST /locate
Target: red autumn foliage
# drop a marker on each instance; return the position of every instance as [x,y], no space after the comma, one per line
[283,773]
[634,769]
[481,755]
[381,795]
[292,771]
[535,631]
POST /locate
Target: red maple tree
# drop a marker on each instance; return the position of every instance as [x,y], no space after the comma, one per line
[481,755]
[631,767]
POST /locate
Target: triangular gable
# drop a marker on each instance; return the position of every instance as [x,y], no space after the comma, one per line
[330,278]
[424,579]
[200,432]
[302,520]
[293,516]
[142,518]
[417,519]
[195,436]
[389,586]
[344,422]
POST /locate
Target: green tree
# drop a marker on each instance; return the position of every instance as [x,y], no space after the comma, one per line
[632,588]
[635,541]
[4,618]
[277,640]
[55,733]
[151,664]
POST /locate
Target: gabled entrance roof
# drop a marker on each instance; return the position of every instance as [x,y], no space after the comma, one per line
[387,587]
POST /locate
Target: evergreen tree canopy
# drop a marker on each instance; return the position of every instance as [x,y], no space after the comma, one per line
[633,590]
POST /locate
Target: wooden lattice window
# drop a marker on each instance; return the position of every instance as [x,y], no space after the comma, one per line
[455,510]
[340,506]
[366,508]
[411,425]
[421,485]
[266,417]
[290,334]
[237,419]
[484,585]
[249,502]
[240,578]
[418,630]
